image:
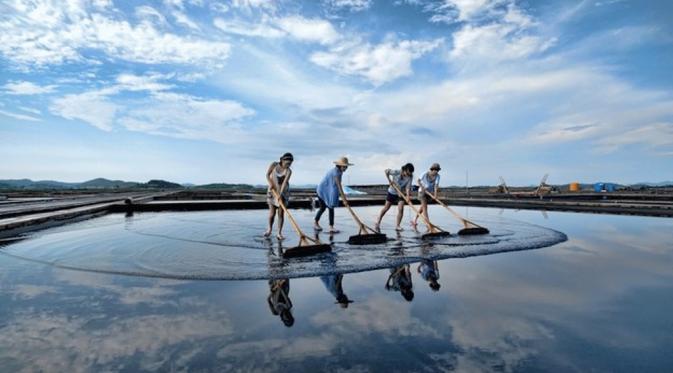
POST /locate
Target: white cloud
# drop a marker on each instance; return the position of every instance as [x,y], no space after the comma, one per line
[27,88]
[149,82]
[219,7]
[44,33]
[490,30]
[30,110]
[313,30]
[496,42]
[652,135]
[379,64]
[160,113]
[183,116]
[19,116]
[90,107]
[184,20]
[347,55]
[308,29]
[253,4]
[509,37]
[608,2]
[149,14]
[243,28]
[351,5]
[451,11]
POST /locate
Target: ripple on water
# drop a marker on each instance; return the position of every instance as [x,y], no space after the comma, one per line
[227,245]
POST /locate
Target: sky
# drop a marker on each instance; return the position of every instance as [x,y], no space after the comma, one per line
[203,91]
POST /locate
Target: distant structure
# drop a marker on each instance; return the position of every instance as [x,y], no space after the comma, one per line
[543,188]
[502,188]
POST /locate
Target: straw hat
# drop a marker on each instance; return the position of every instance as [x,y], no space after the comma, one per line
[343,161]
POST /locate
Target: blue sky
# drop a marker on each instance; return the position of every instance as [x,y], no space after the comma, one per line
[212,91]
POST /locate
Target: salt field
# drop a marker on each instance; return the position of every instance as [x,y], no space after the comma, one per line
[229,245]
[552,291]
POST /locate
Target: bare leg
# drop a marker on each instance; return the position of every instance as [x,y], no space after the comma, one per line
[424,210]
[281,220]
[414,221]
[272,215]
[400,214]
[385,209]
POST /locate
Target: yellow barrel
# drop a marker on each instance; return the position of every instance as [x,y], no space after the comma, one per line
[574,186]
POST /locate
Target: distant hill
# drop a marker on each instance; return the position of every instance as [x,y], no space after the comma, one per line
[161,184]
[650,184]
[41,184]
[109,184]
[98,183]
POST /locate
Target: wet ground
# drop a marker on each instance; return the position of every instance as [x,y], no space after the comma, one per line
[229,245]
[599,301]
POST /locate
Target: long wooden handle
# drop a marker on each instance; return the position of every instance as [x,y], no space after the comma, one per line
[362,226]
[282,206]
[455,214]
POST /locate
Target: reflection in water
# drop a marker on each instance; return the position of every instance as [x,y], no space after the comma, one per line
[333,284]
[279,300]
[400,280]
[429,271]
[599,302]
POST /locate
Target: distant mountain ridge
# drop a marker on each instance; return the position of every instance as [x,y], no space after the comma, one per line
[650,184]
[98,183]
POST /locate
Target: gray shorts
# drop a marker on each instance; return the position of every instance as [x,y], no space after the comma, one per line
[271,200]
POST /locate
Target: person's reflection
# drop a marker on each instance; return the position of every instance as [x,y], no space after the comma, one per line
[279,300]
[333,284]
[430,272]
[400,280]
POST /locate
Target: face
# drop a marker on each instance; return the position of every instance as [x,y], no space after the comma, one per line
[434,171]
[286,163]
[343,168]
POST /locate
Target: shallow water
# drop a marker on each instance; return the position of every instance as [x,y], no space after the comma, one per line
[600,301]
[228,245]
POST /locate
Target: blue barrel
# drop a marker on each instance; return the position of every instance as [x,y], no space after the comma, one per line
[598,187]
[610,187]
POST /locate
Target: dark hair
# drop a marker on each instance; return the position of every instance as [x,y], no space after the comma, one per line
[287,318]
[287,157]
[408,167]
[407,294]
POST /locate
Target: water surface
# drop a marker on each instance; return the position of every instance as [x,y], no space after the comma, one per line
[600,301]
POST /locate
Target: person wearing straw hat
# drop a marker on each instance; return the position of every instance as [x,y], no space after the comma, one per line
[429,271]
[328,193]
[278,176]
[429,182]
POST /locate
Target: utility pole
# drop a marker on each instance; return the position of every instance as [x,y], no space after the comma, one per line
[467,188]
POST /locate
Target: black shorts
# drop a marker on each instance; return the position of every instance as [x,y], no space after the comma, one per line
[392,198]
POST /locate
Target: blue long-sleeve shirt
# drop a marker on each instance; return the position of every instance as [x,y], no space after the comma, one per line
[328,190]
